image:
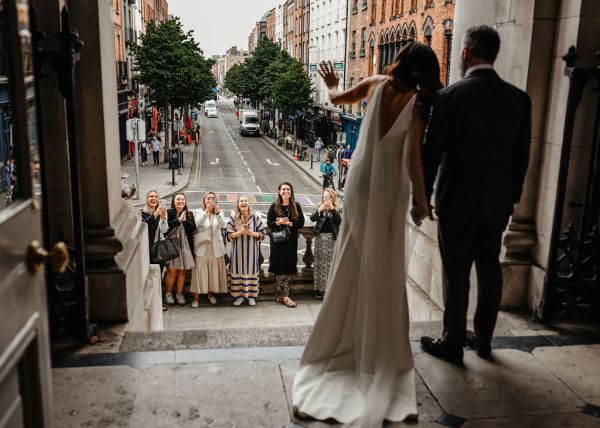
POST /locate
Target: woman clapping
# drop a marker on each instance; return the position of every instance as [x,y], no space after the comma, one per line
[182,220]
[245,230]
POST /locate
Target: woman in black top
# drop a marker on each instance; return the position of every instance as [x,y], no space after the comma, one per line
[327,224]
[285,212]
[154,215]
[181,219]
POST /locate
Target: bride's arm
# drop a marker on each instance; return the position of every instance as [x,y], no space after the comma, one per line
[350,96]
[421,207]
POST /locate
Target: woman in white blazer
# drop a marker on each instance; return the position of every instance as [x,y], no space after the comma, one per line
[209,276]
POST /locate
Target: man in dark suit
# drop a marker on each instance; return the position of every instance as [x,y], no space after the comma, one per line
[477,145]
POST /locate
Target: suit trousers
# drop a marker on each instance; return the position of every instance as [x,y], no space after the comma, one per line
[461,245]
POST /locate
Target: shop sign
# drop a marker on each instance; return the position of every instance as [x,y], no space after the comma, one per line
[338,65]
[313,67]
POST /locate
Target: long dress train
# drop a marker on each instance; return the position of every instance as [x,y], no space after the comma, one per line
[357,366]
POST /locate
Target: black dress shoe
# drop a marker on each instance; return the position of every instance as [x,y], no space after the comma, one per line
[441,349]
[483,350]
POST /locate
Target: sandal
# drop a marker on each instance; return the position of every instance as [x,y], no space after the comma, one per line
[288,302]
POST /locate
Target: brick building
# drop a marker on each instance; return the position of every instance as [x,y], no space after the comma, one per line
[377,30]
[301,31]
[271,24]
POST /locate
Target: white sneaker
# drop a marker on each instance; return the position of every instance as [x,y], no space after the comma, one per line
[169,299]
[238,301]
[180,300]
[212,300]
[195,304]
[251,301]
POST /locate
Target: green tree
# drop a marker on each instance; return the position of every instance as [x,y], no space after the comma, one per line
[172,64]
[255,86]
[292,90]
[234,79]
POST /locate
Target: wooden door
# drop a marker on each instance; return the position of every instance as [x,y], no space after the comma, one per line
[25,377]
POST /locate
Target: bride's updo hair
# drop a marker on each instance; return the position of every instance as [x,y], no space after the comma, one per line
[416,67]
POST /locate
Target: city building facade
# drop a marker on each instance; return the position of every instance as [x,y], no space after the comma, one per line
[224,63]
[377,30]
[289,41]
[279,19]
[271,19]
[301,31]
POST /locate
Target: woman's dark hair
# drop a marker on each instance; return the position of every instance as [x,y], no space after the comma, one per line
[279,202]
[416,67]
[185,208]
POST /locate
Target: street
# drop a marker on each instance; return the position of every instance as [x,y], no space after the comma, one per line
[233,165]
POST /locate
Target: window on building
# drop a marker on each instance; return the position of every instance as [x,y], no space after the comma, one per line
[353,52]
[413,6]
[373,12]
[355,6]
[383,6]
[363,41]
[428,3]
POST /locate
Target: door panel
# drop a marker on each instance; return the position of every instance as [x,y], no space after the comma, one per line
[25,386]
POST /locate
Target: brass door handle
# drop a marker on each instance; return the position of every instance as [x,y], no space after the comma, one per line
[37,256]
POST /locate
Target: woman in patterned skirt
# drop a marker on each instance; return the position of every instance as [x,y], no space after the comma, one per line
[327,225]
[245,230]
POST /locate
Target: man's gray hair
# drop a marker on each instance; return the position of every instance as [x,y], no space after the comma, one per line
[483,42]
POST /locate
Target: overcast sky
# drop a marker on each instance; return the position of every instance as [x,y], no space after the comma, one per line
[220,24]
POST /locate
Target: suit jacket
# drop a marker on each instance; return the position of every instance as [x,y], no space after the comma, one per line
[479,137]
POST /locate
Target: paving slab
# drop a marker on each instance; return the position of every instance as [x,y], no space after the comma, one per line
[514,383]
[94,396]
[568,420]
[211,394]
[577,366]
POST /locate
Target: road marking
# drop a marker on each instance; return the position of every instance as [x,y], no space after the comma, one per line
[253,179]
[258,188]
[272,163]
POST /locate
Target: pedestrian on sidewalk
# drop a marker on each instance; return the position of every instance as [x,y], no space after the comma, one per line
[144,145]
[327,221]
[318,147]
[156,143]
[245,230]
[328,171]
[209,276]
[182,224]
[284,215]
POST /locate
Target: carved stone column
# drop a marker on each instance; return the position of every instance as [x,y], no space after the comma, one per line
[116,247]
[308,257]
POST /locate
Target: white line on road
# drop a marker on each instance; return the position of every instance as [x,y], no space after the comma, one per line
[258,188]
[217,161]
[272,163]
[253,179]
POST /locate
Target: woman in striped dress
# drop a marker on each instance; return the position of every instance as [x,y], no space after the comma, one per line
[245,230]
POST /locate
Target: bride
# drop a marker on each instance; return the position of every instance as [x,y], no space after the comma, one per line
[357,367]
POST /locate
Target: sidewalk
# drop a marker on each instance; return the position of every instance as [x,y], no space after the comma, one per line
[159,178]
[225,366]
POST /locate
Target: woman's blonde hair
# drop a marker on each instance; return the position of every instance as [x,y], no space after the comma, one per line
[204,198]
[147,207]
[238,214]
[334,197]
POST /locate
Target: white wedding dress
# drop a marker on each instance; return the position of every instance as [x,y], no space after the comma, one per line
[357,366]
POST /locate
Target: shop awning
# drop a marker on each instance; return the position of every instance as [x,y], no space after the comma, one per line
[314,117]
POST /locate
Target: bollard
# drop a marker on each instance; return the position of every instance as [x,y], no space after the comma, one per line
[311,161]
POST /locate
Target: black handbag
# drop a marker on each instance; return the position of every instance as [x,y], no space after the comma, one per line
[166,249]
[282,234]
